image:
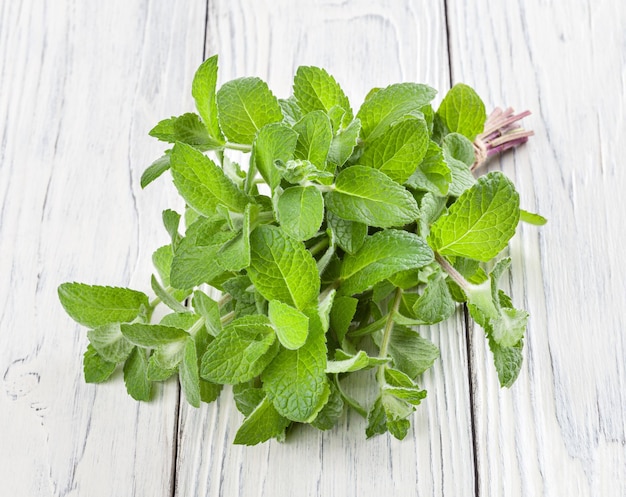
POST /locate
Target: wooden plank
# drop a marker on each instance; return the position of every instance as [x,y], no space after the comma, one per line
[82,84]
[561,430]
[363,44]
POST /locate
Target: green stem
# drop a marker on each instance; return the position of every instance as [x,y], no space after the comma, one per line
[453,273]
[384,343]
[197,326]
[319,246]
[226,298]
[227,318]
[349,400]
[238,146]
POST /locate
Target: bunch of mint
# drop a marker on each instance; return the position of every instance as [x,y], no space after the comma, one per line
[342,235]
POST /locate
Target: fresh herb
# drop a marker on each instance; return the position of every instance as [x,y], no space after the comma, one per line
[345,233]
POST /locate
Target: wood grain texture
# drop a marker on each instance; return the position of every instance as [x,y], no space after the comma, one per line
[363,44]
[82,83]
[561,429]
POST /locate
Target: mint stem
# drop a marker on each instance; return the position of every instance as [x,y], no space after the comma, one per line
[349,400]
[384,344]
[453,273]
[238,146]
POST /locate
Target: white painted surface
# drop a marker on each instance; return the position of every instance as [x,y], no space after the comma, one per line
[81,83]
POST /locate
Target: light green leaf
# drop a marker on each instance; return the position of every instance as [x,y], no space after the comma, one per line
[431,208]
[156,169]
[136,377]
[433,174]
[341,315]
[343,144]
[481,222]
[273,142]
[291,325]
[188,373]
[301,211]
[291,111]
[241,351]
[295,381]
[330,414]
[262,424]
[462,111]
[389,105]
[366,195]
[95,368]
[508,361]
[188,129]
[209,310]
[93,306]
[282,268]
[315,89]
[459,147]
[458,152]
[152,335]
[203,92]
[349,235]
[314,137]
[435,304]
[345,363]
[398,151]
[532,218]
[382,255]
[165,297]
[245,105]
[109,342]
[411,353]
[234,255]
[202,184]
[298,171]
[247,396]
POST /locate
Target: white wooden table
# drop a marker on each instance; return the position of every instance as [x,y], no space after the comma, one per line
[82,82]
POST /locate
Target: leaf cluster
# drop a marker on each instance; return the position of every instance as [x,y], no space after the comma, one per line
[344,233]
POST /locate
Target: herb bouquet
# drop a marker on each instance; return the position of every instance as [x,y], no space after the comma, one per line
[343,234]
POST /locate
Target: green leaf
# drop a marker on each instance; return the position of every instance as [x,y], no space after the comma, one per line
[301,211]
[154,170]
[234,255]
[332,411]
[203,92]
[95,368]
[165,297]
[247,396]
[431,208]
[262,424]
[282,268]
[291,111]
[273,142]
[398,151]
[365,195]
[344,143]
[245,105]
[462,111]
[345,363]
[382,255]
[508,361]
[341,315]
[109,342]
[389,105]
[171,221]
[457,146]
[314,137]
[532,218]
[136,377]
[240,352]
[411,353]
[152,335]
[299,171]
[93,306]
[202,184]
[349,235]
[209,310]
[433,174]
[291,325]
[315,89]
[188,373]
[187,129]
[295,381]
[481,222]
[435,304]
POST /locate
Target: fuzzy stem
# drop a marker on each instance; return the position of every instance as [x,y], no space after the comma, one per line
[384,343]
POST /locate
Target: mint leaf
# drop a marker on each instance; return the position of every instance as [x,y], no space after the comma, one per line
[295,380]
[411,353]
[95,368]
[203,92]
[234,255]
[435,304]
[187,129]
[389,105]
[344,143]
[314,137]
[399,150]
[282,269]
[261,424]
[152,335]
[245,105]
[345,363]
[165,297]
[462,111]
[315,89]
[188,371]
[481,222]
[532,218]
[433,174]
[508,361]
[274,142]
[202,184]
[341,315]
[301,211]
[109,343]
[136,377]
[248,396]
[382,255]
[331,412]
[291,110]
[93,306]
[291,325]
[154,170]
[365,195]
[240,352]
[209,310]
